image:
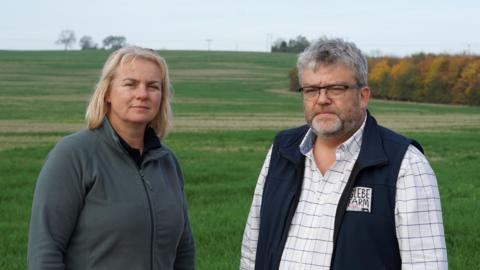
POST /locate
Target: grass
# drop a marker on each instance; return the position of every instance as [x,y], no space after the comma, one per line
[455,157]
[227,107]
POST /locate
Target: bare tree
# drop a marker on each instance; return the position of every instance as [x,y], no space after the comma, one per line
[66,38]
[114,42]
[86,43]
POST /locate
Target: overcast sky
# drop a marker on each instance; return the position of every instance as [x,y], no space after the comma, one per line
[399,27]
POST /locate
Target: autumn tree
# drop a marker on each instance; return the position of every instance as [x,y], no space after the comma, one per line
[403,80]
[435,82]
[294,82]
[379,78]
[455,68]
[467,88]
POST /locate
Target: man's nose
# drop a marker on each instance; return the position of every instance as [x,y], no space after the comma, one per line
[322,97]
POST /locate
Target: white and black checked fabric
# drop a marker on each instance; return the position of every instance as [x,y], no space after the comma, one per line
[309,244]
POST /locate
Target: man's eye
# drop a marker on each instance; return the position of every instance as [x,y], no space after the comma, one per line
[309,90]
[337,87]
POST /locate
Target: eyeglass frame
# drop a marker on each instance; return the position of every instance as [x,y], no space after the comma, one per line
[329,90]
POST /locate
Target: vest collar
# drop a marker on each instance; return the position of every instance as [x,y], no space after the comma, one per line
[371,151]
[291,150]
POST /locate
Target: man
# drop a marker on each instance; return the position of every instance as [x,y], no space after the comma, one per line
[343,192]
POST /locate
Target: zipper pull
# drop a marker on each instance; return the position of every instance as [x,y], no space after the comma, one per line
[149,185]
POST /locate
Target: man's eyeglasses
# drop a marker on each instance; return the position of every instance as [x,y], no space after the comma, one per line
[332,91]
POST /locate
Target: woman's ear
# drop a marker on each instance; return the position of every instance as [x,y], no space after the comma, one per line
[107,97]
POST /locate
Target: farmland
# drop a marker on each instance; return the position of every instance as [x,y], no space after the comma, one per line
[227,108]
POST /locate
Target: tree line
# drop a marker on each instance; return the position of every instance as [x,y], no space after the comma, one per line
[294,45]
[447,79]
[67,39]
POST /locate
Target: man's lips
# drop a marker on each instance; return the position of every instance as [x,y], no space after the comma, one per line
[324,113]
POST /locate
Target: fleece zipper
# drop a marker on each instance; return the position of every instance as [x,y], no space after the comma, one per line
[148,186]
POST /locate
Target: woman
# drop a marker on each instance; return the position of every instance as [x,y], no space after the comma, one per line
[111,196]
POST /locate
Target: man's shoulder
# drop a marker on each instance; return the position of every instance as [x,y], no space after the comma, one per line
[393,136]
[397,138]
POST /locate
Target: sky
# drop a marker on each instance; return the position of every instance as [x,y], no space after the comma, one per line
[378,27]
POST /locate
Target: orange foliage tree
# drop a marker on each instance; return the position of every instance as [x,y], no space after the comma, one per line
[403,80]
[427,78]
[467,87]
[379,78]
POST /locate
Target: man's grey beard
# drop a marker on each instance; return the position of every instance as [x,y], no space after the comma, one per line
[340,128]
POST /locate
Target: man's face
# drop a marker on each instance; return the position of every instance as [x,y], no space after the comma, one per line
[333,115]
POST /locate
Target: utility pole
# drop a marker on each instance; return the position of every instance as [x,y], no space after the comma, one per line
[209,40]
[269,41]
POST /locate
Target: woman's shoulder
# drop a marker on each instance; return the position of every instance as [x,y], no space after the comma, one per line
[72,153]
[166,149]
[80,141]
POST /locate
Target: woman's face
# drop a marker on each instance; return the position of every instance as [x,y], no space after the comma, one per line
[135,94]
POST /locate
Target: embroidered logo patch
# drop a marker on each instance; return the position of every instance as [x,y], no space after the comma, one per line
[360,200]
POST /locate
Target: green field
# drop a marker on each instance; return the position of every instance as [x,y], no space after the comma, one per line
[227,108]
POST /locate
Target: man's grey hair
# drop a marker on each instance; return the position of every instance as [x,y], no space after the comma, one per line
[333,51]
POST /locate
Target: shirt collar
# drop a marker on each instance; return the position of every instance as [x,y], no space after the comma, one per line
[307,143]
[150,141]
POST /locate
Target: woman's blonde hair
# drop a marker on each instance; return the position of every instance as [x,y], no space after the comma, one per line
[98,106]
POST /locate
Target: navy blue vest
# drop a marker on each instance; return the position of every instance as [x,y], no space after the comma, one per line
[362,240]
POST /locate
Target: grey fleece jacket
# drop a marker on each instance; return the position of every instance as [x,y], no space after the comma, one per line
[93,208]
